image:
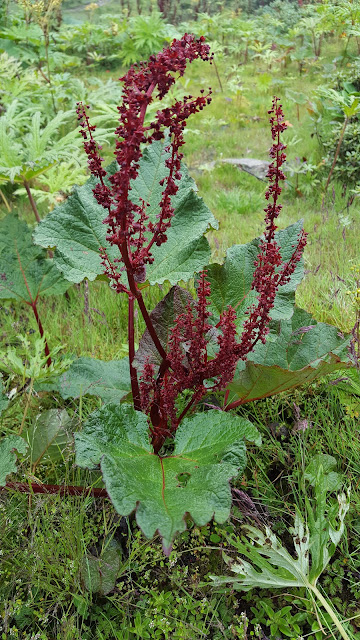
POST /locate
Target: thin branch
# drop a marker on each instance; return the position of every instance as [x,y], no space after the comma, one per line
[32,201]
[41,331]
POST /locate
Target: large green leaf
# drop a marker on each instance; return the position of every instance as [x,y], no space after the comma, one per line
[8,446]
[100,572]
[163,317]
[75,228]
[49,435]
[110,381]
[296,352]
[209,449]
[25,271]
[231,282]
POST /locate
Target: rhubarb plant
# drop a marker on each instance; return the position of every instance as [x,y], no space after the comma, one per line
[140,223]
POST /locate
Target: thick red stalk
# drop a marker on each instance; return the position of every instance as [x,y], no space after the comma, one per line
[41,331]
[63,490]
[133,373]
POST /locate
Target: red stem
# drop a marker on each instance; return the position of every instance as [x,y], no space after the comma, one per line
[63,490]
[41,331]
[137,294]
[32,201]
[195,398]
[133,373]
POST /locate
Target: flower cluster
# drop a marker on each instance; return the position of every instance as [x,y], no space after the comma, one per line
[129,226]
[270,272]
[188,364]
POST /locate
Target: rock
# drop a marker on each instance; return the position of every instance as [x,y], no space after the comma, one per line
[256,168]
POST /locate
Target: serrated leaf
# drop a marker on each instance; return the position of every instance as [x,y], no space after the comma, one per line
[163,318]
[296,352]
[209,450]
[49,435]
[231,282]
[25,271]
[110,381]
[8,446]
[270,563]
[75,228]
[100,572]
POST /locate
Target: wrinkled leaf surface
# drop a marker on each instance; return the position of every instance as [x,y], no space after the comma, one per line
[209,450]
[75,228]
[296,352]
[25,271]
[49,435]
[110,381]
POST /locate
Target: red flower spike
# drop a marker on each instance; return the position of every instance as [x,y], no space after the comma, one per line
[128,224]
[189,363]
[267,277]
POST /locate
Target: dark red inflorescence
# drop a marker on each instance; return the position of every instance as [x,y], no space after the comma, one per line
[189,365]
[129,227]
[270,272]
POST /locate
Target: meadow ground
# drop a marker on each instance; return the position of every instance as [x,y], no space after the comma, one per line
[48,544]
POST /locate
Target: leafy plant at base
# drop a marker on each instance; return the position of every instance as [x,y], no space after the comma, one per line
[49,435]
[26,274]
[8,446]
[208,451]
[153,233]
[110,381]
[100,572]
[315,538]
[35,365]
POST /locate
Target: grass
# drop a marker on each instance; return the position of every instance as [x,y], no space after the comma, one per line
[49,544]
[45,543]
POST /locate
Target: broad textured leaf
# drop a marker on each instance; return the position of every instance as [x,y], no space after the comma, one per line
[209,450]
[8,446]
[231,282]
[110,381]
[49,435]
[25,271]
[163,318]
[296,352]
[75,228]
[100,572]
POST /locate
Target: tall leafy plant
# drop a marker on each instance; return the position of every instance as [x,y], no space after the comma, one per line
[158,456]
